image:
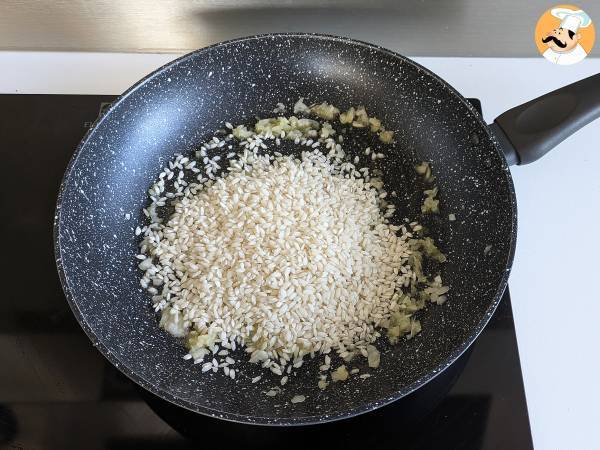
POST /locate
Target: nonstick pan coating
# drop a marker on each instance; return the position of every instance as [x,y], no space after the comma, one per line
[176,107]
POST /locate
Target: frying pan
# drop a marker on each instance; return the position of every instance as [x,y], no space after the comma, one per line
[175,108]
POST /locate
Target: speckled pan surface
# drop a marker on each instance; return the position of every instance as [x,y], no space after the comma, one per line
[176,107]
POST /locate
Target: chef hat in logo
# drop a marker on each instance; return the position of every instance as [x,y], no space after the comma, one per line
[570,19]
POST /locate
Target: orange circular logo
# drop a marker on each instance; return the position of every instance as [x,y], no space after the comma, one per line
[565,34]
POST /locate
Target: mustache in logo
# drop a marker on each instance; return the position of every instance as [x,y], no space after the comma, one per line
[555,40]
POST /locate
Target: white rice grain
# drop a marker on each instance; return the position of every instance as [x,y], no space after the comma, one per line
[286,256]
[298,399]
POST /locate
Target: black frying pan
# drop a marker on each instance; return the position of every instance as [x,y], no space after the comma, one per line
[177,106]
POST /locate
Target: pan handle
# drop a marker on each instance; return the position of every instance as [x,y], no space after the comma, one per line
[529,131]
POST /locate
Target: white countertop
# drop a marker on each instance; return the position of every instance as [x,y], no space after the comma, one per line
[557,311]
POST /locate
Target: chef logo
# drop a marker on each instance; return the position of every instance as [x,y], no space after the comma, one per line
[564,35]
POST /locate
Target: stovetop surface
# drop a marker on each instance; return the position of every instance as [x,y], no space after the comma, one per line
[57,391]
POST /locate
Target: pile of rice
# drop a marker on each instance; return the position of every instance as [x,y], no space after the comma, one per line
[286,256]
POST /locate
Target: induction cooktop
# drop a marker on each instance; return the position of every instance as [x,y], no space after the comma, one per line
[58,392]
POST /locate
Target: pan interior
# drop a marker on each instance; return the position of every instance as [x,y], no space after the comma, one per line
[182,104]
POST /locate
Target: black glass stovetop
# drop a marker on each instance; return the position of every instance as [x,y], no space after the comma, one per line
[58,392]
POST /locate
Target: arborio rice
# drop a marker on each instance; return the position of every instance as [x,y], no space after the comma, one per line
[286,256]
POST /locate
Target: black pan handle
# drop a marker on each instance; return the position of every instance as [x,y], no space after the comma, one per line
[529,131]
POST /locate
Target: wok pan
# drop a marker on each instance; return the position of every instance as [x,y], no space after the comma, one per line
[175,108]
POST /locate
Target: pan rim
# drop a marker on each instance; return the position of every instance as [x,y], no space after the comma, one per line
[286,421]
